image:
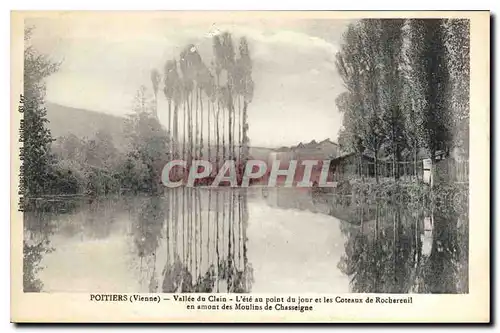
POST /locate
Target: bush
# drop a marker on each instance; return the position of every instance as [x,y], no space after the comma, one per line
[66,177]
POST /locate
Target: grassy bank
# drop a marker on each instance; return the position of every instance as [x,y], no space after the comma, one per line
[450,195]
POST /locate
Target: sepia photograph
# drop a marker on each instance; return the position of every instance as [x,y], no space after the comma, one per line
[230,154]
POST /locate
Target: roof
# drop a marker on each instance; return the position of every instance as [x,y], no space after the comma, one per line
[329,141]
[313,144]
[342,157]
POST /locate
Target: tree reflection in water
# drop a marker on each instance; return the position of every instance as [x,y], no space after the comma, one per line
[195,240]
[32,255]
[385,251]
[204,241]
[38,220]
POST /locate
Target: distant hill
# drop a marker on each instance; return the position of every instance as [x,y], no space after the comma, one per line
[64,120]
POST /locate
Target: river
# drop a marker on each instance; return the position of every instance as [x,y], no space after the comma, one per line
[251,240]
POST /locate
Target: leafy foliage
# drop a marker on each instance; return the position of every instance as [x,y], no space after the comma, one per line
[35,153]
[407,87]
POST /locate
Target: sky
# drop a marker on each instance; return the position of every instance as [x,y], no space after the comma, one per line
[105,58]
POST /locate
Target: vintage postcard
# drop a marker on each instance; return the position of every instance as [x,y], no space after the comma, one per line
[250,166]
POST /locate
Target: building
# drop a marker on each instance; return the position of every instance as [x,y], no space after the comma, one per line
[351,164]
[313,150]
[316,151]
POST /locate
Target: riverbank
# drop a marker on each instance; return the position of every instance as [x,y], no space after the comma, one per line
[445,194]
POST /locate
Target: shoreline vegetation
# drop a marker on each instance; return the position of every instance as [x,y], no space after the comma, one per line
[455,196]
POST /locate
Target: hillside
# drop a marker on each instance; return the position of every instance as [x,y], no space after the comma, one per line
[83,123]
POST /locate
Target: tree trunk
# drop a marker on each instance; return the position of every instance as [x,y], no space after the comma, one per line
[218,137]
[176,130]
[208,224]
[217,238]
[240,128]
[201,120]
[183,223]
[245,136]
[415,160]
[360,165]
[397,158]
[197,125]
[169,125]
[230,124]
[190,129]
[185,134]
[433,159]
[229,240]
[234,131]
[217,92]
[223,133]
[209,142]
[394,173]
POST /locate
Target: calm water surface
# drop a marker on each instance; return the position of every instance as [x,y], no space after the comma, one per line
[279,240]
